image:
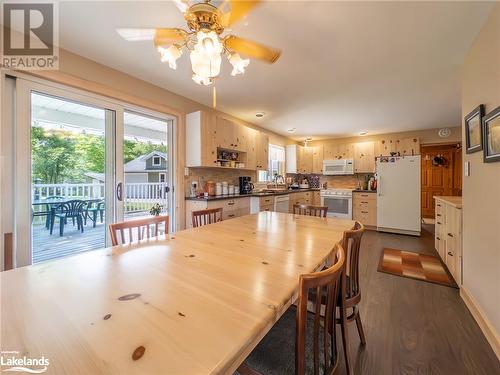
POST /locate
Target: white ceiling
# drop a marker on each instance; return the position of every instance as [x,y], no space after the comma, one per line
[346,67]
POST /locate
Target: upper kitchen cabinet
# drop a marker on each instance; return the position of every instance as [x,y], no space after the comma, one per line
[317,159]
[333,151]
[299,159]
[364,157]
[201,140]
[403,146]
[208,134]
[229,135]
[261,151]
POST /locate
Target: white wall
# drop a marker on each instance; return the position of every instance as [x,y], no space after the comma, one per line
[481,191]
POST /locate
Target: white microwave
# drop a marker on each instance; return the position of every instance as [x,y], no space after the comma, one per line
[338,167]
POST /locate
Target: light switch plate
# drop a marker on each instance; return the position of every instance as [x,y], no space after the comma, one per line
[467,168]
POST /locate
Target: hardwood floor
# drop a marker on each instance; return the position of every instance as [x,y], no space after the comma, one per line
[411,326]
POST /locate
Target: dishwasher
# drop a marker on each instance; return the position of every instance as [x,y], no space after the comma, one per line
[281,203]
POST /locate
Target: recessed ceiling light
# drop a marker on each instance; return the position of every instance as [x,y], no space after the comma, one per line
[309,139]
[291,130]
[259,114]
[363,133]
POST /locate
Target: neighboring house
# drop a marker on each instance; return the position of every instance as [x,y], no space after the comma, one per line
[145,168]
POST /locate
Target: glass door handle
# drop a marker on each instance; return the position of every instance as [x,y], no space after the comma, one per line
[119,191]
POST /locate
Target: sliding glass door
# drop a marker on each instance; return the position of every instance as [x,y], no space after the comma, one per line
[146,164]
[84,162]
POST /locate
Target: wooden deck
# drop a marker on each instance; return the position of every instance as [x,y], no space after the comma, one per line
[48,247]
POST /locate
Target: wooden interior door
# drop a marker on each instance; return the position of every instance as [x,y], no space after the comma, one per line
[440,179]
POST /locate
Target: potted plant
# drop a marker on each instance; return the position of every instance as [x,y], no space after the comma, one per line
[156,209]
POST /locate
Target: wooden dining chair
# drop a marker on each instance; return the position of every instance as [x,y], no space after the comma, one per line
[351,242]
[303,209]
[205,217]
[144,228]
[315,334]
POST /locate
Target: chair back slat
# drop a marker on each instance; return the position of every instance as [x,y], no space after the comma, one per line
[351,242]
[303,209]
[71,208]
[325,285]
[141,226]
[205,217]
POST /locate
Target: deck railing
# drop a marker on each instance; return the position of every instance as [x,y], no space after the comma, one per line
[139,197]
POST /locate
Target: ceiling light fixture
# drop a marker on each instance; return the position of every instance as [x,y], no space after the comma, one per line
[204,39]
[260,114]
[363,133]
[291,130]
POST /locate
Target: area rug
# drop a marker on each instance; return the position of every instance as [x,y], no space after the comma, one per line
[414,266]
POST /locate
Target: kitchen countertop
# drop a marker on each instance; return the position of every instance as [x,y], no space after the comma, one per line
[363,191]
[236,196]
[453,201]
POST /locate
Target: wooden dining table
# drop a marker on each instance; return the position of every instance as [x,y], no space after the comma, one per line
[196,302]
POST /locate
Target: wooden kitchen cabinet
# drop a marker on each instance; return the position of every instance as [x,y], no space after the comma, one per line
[305,197]
[316,198]
[262,151]
[201,140]
[405,146]
[317,159]
[364,157]
[206,132]
[299,159]
[333,151]
[230,136]
[364,208]
[448,234]
[305,160]
[231,208]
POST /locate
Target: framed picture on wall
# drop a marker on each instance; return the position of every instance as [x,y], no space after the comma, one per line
[491,136]
[473,132]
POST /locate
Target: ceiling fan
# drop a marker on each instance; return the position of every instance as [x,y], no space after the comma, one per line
[204,40]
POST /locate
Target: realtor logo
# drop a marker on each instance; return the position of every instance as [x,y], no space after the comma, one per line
[30,36]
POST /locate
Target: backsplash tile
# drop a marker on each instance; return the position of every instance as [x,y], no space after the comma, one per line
[339,182]
[202,175]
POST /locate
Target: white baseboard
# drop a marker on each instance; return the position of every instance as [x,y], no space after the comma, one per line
[482,320]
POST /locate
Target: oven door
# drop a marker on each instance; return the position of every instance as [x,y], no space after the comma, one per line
[338,206]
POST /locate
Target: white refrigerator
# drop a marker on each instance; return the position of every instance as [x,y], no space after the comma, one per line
[398,194]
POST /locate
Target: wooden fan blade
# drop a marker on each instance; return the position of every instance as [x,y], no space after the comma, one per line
[161,36]
[182,5]
[169,36]
[252,49]
[239,9]
[136,35]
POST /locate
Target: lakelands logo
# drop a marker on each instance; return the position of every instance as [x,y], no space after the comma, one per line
[10,361]
[30,36]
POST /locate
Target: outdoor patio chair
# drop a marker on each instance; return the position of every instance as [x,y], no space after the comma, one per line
[68,210]
[94,208]
[47,211]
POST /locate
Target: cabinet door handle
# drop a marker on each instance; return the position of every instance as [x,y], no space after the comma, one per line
[230,203]
[365,202]
[437,238]
[232,215]
[450,253]
[451,235]
[439,205]
[364,212]
[439,215]
[439,222]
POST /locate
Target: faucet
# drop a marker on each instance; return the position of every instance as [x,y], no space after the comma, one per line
[278,179]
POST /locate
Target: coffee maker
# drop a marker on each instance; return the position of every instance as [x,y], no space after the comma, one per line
[246,185]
